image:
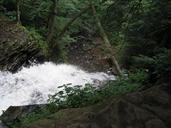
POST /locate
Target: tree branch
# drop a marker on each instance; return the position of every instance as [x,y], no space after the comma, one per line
[71,21]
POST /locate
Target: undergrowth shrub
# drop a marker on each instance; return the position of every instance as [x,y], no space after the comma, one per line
[38,39]
[63,47]
[157,65]
[77,96]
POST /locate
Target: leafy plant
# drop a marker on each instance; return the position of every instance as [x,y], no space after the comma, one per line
[78,96]
[38,39]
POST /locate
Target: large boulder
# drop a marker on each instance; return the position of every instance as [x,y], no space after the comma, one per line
[18,112]
[150,108]
[16,46]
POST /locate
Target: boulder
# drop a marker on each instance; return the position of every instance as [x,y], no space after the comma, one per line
[14,113]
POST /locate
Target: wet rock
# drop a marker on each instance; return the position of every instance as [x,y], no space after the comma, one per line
[16,47]
[15,113]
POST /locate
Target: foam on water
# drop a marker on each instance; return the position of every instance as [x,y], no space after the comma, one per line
[33,85]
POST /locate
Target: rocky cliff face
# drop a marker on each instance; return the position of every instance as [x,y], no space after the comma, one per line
[16,47]
[146,109]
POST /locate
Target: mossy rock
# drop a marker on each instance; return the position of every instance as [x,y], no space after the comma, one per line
[150,108]
[147,109]
[16,47]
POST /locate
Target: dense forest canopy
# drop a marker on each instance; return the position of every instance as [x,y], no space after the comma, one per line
[139,30]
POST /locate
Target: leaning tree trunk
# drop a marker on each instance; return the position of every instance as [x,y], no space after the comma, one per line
[54,46]
[116,68]
[71,21]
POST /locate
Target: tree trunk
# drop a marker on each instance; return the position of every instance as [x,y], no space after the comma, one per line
[51,22]
[18,11]
[116,68]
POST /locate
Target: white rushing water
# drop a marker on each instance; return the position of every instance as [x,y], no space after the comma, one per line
[33,85]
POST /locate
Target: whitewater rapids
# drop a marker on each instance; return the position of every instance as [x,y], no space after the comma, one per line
[33,85]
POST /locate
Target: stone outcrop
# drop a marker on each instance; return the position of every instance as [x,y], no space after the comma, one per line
[150,108]
[16,46]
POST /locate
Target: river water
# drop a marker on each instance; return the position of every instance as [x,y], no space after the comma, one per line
[33,85]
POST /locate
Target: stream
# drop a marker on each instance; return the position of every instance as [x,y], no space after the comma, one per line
[33,85]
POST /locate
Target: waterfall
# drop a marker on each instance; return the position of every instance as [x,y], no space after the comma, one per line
[32,85]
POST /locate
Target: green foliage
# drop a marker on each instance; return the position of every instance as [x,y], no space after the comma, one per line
[163,62]
[32,12]
[11,15]
[73,97]
[35,12]
[63,44]
[144,26]
[38,39]
[30,117]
